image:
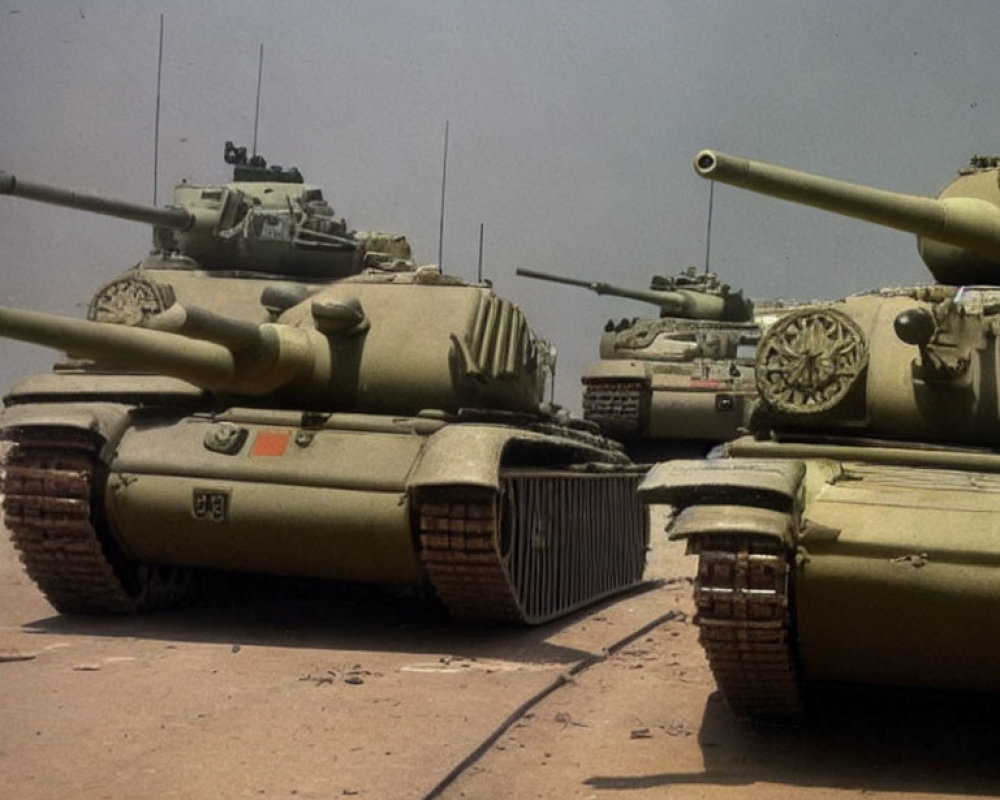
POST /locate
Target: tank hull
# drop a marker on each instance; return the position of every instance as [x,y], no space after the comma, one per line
[867,565]
[322,504]
[907,593]
[118,507]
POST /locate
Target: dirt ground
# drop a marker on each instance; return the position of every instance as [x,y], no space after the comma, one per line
[377,697]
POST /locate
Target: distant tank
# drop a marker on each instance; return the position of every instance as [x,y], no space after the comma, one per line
[271,392]
[853,536]
[268,228]
[678,384]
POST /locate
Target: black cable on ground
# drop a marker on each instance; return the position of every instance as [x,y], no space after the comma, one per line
[527,705]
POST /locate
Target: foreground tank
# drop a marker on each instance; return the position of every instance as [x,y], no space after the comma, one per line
[852,536]
[677,384]
[349,417]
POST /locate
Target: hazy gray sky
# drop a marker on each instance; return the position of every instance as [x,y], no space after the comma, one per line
[573,129]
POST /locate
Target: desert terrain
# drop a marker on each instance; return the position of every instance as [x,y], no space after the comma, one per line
[375,696]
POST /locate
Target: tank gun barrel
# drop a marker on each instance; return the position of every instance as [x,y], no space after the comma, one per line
[546,276]
[175,218]
[202,363]
[255,360]
[680,303]
[969,223]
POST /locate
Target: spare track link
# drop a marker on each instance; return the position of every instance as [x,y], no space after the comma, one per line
[744,619]
[48,486]
[548,543]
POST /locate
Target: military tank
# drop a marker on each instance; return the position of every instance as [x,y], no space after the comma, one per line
[852,536]
[677,384]
[272,392]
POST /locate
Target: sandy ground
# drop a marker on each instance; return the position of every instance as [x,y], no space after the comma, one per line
[384,698]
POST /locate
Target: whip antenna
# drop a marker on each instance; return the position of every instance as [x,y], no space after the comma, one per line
[256,111]
[479,276]
[156,123]
[708,235]
[444,182]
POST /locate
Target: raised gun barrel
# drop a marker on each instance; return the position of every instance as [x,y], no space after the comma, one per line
[175,218]
[685,303]
[959,231]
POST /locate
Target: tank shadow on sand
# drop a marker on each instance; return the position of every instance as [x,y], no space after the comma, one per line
[856,739]
[270,612]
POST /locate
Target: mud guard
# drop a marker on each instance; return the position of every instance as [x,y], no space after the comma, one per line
[723,520]
[106,420]
[764,483]
[471,455]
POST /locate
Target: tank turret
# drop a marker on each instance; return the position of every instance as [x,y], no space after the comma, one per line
[266,221]
[349,346]
[958,232]
[686,296]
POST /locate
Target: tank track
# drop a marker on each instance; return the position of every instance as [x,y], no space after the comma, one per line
[546,544]
[742,595]
[616,406]
[51,479]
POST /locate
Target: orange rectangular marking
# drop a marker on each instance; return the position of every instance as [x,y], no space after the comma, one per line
[699,383]
[270,443]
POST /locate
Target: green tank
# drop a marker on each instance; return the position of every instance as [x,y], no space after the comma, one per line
[271,392]
[851,537]
[677,384]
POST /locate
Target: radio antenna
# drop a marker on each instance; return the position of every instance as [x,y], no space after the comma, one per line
[444,182]
[708,235]
[256,111]
[479,275]
[156,123]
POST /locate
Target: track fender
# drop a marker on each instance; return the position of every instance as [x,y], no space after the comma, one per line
[722,520]
[461,454]
[774,484]
[471,455]
[106,420]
